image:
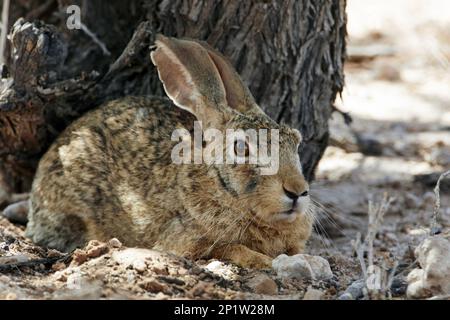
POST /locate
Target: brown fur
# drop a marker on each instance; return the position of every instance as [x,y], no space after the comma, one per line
[110,173]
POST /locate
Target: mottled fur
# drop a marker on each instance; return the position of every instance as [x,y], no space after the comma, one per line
[110,173]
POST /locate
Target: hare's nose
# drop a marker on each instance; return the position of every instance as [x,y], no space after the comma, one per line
[291,195]
[294,196]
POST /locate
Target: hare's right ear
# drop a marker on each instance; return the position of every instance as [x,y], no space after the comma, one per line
[190,78]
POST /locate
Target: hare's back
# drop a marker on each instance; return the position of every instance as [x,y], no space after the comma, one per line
[126,140]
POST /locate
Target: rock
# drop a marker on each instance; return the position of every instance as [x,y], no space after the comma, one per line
[52,253]
[18,258]
[79,256]
[433,255]
[221,269]
[313,294]
[58,266]
[95,249]
[398,287]
[140,265]
[60,276]
[141,259]
[302,266]
[354,291]
[114,243]
[154,286]
[262,284]
[134,257]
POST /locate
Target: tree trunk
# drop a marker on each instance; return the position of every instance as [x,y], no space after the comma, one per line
[290,53]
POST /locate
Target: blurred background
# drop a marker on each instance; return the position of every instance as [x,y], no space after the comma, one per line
[398,94]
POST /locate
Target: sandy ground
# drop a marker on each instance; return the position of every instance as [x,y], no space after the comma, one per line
[397,92]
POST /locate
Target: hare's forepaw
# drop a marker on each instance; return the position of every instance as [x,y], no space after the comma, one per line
[243,256]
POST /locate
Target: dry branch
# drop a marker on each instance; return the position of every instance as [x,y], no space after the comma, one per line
[437,205]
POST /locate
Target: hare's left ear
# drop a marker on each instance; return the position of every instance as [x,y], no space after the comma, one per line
[238,95]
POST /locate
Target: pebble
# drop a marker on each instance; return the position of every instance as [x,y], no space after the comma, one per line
[58,266]
[398,287]
[114,243]
[95,249]
[313,294]
[140,266]
[354,291]
[221,269]
[60,276]
[154,286]
[262,284]
[433,255]
[79,256]
[302,266]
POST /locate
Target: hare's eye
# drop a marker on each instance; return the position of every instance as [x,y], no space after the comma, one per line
[241,148]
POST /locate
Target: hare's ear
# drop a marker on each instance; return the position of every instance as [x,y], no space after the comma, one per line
[237,93]
[190,78]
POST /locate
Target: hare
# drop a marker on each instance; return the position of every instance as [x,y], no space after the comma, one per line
[111,173]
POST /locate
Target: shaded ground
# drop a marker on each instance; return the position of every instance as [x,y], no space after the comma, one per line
[398,95]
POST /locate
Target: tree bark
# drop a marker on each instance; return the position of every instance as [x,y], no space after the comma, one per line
[290,53]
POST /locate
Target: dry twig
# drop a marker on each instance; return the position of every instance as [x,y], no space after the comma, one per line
[4,32]
[437,205]
[372,273]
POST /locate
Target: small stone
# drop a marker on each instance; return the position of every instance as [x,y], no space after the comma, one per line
[214,266]
[79,256]
[197,290]
[58,266]
[139,265]
[52,253]
[354,291]
[160,271]
[95,249]
[302,266]
[398,287]
[114,243]
[196,270]
[221,269]
[432,279]
[313,294]
[60,276]
[154,286]
[262,284]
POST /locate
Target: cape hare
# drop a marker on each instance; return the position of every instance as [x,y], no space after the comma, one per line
[111,172]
